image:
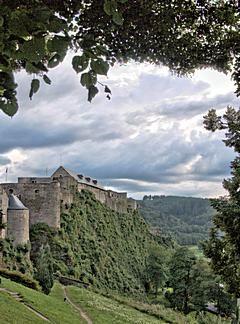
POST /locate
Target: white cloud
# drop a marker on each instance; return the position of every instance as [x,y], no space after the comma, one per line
[148,139]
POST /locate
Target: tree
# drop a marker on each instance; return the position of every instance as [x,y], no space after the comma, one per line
[44,269]
[208,288]
[182,34]
[195,285]
[157,267]
[180,278]
[223,245]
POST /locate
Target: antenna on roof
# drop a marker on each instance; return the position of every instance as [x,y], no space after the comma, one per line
[6,174]
[60,158]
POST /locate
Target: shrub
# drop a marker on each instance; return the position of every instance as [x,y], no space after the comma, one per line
[20,278]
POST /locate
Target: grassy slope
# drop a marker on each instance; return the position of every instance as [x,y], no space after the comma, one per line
[124,310]
[14,312]
[52,306]
[102,310]
[105,310]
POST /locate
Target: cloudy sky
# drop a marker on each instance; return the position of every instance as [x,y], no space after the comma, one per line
[148,139]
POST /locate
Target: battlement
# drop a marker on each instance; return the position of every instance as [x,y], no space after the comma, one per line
[34,180]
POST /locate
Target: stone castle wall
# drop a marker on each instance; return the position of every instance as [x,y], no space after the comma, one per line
[42,199]
[3,213]
[18,225]
[69,185]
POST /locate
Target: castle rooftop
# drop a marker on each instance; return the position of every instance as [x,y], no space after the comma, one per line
[14,203]
[80,178]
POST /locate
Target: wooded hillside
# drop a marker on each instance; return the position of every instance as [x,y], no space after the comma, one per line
[97,245]
[187,219]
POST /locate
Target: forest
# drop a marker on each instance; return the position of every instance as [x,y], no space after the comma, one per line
[116,254]
[187,219]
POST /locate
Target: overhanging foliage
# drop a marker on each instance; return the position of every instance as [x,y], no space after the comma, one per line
[184,35]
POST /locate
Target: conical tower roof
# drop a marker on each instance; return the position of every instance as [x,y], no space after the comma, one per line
[14,203]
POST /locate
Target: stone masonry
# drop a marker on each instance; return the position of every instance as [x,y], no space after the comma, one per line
[44,196]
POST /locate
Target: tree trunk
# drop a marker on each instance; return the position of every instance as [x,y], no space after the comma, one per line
[238,311]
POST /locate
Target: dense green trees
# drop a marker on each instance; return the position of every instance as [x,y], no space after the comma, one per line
[44,269]
[157,267]
[223,246]
[181,34]
[97,245]
[194,286]
[187,219]
[180,278]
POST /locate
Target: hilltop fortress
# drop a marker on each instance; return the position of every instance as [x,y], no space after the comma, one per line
[39,200]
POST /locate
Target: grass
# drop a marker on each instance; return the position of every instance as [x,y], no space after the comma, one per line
[102,310]
[197,252]
[15,313]
[108,311]
[52,306]
[124,310]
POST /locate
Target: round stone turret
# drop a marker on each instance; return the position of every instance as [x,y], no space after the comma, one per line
[17,220]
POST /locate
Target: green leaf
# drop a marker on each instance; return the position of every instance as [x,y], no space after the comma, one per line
[4,63]
[92,91]
[18,23]
[35,84]
[100,66]
[30,68]
[58,44]
[118,18]
[10,108]
[2,89]
[80,63]
[1,21]
[100,49]
[46,79]
[33,50]
[56,25]
[122,1]
[110,6]
[88,79]
[107,90]
[55,60]
[40,66]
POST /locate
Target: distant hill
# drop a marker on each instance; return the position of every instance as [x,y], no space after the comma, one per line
[187,219]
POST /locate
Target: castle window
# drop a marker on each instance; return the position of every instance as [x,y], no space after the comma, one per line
[36,191]
[34,181]
[94,181]
[88,179]
[10,191]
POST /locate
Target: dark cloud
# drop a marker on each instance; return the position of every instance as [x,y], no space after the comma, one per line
[182,108]
[148,138]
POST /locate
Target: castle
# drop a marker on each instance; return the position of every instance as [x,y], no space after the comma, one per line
[39,199]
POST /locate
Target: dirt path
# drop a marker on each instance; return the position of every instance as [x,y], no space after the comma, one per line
[82,313]
[18,298]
